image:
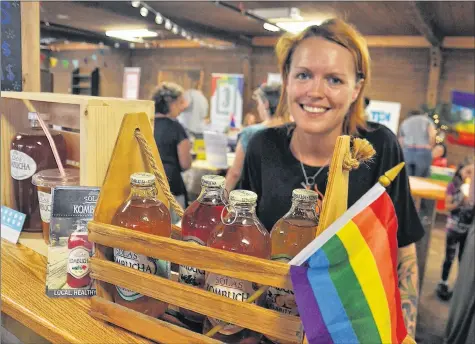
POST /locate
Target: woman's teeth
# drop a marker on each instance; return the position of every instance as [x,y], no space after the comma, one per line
[314,109]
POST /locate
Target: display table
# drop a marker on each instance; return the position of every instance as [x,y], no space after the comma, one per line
[57,320]
[430,191]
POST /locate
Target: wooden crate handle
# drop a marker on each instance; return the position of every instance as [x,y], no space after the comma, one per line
[145,148]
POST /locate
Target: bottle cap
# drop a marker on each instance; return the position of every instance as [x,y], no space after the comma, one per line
[213,180]
[304,195]
[33,116]
[142,179]
[242,196]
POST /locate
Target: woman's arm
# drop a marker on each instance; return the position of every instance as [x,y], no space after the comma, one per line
[450,203]
[408,274]
[234,172]
[184,155]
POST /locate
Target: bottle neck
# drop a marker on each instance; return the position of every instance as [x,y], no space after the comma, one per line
[302,209]
[137,191]
[244,209]
[212,194]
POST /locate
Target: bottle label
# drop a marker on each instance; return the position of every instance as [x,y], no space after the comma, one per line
[188,274]
[22,165]
[142,263]
[280,299]
[232,288]
[44,200]
[78,262]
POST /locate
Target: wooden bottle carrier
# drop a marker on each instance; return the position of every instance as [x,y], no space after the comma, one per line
[128,158]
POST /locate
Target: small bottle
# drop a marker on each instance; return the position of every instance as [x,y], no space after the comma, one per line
[30,153]
[241,232]
[80,250]
[292,233]
[143,212]
[199,220]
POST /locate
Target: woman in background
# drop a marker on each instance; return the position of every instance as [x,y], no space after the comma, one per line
[458,223]
[267,99]
[171,138]
[439,155]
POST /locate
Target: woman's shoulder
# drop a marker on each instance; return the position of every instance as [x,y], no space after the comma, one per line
[271,136]
[379,135]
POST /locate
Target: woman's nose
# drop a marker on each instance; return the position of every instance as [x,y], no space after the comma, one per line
[316,88]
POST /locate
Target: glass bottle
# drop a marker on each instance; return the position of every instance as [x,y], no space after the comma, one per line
[241,232]
[292,233]
[80,250]
[143,212]
[199,219]
[30,153]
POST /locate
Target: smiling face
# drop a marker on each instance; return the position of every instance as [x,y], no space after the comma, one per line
[321,85]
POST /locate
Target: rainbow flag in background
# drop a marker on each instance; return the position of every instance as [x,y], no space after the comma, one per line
[348,292]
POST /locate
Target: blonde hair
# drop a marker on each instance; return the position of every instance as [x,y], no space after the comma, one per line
[337,31]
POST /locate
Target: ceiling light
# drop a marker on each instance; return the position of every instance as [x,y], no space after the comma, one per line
[175,29]
[143,12]
[131,35]
[132,45]
[270,27]
[168,24]
[297,26]
[158,19]
[116,45]
[147,45]
[135,4]
[183,33]
[62,16]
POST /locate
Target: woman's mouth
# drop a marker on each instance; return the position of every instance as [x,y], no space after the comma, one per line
[314,110]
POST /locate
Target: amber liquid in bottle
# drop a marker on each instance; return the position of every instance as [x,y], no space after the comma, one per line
[243,233]
[30,153]
[199,220]
[290,235]
[142,212]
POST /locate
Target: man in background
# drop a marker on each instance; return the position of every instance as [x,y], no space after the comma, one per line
[193,117]
[417,137]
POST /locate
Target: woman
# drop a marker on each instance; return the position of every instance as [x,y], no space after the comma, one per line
[439,155]
[267,99]
[325,70]
[170,136]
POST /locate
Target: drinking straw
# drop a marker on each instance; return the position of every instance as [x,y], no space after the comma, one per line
[52,144]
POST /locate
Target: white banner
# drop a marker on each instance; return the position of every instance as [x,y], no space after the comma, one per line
[131,83]
[386,113]
[226,100]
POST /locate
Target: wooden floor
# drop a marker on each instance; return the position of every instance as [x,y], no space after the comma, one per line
[433,312]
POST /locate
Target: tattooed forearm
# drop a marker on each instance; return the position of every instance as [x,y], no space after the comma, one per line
[408,286]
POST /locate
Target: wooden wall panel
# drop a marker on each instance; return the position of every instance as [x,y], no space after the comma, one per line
[458,73]
[111,76]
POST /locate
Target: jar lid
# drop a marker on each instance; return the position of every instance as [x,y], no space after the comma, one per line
[304,195]
[33,116]
[213,180]
[52,178]
[242,196]
[142,179]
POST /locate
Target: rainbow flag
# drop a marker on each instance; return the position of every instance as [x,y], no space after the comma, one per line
[345,281]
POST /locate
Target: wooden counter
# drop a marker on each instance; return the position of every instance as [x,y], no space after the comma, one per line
[427,188]
[57,320]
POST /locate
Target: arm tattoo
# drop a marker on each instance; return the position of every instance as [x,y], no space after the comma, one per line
[408,286]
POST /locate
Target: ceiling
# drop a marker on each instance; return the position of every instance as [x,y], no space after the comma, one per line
[227,20]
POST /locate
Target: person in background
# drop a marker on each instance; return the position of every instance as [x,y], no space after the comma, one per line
[171,138]
[249,119]
[417,137]
[194,115]
[325,70]
[267,99]
[439,155]
[458,223]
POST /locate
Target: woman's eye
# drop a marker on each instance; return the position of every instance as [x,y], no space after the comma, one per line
[303,76]
[334,81]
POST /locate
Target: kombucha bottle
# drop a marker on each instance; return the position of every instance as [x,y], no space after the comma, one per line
[292,233]
[80,250]
[241,232]
[199,219]
[143,212]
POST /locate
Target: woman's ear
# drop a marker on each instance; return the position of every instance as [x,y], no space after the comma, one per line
[359,84]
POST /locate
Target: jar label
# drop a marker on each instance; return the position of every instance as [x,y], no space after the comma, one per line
[232,288]
[44,200]
[188,274]
[78,262]
[22,165]
[280,299]
[142,263]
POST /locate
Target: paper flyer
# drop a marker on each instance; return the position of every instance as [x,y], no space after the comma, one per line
[67,273]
